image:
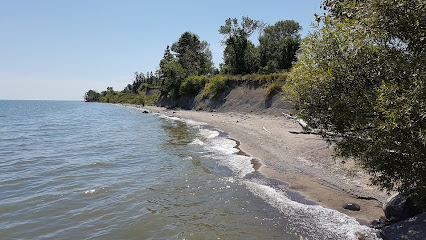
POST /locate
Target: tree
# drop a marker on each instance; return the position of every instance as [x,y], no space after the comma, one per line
[237,43]
[341,9]
[92,96]
[251,58]
[278,45]
[128,88]
[360,80]
[193,55]
[171,75]
[139,79]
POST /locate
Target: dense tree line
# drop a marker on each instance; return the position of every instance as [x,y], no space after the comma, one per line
[360,79]
[140,79]
[187,65]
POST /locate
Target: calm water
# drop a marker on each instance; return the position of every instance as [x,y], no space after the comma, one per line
[74,170]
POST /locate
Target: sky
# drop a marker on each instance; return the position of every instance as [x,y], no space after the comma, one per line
[58,50]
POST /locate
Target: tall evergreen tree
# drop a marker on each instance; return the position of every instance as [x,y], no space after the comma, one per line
[171,75]
[193,55]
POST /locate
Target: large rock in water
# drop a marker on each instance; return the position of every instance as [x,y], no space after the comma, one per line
[413,228]
[398,208]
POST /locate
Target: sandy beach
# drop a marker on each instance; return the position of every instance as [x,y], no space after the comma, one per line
[281,150]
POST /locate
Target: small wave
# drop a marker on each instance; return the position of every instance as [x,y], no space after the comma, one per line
[223,149]
[137,108]
[96,191]
[224,146]
[100,164]
[170,117]
[19,138]
[197,142]
[91,191]
[207,133]
[239,165]
[315,220]
[187,121]
[194,123]
[14,181]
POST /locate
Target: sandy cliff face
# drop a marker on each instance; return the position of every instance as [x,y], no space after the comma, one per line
[238,97]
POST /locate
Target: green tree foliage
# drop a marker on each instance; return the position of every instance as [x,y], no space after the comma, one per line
[239,51]
[251,58]
[142,79]
[192,85]
[276,52]
[193,55]
[171,74]
[139,79]
[278,46]
[360,79]
[108,96]
[215,85]
[92,96]
[273,88]
[128,96]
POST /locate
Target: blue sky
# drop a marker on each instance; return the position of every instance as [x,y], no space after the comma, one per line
[58,49]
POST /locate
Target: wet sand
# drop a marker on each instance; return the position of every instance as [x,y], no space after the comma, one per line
[281,150]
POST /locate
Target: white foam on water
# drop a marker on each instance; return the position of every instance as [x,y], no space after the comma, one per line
[223,149]
[239,165]
[197,142]
[190,122]
[168,117]
[313,220]
[194,123]
[91,191]
[223,145]
[209,134]
[173,118]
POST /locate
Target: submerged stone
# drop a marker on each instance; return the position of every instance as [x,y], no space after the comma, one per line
[351,206]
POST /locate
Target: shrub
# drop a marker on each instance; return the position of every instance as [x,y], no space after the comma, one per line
[141,99]
[273,88]
[144,87]
[192,85]
[258,77]
[152,98]
[215,85]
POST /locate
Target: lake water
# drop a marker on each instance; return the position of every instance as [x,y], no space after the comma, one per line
[75,170]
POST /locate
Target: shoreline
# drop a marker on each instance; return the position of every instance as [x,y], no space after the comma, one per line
[280,150]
